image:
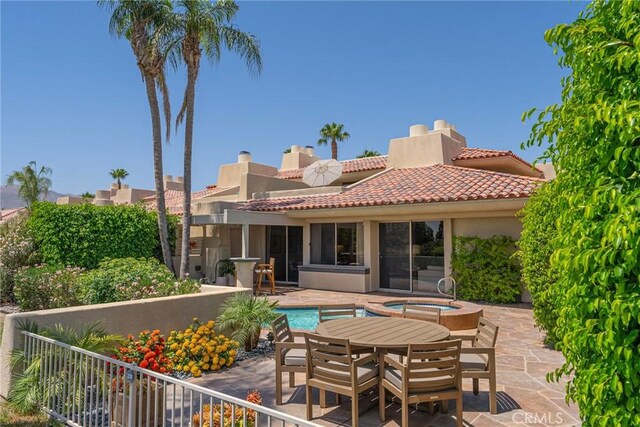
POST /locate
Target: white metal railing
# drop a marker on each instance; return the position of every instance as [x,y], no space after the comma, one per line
[86,389]
[455,287]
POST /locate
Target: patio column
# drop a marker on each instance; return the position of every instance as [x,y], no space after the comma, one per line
[245,240]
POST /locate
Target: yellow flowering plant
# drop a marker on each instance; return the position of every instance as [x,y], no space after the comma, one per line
[199,349]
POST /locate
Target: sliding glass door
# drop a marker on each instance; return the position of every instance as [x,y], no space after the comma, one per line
[284,243]
[395,260]
[411,255]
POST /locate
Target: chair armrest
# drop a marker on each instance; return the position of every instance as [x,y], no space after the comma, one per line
[364,360]
[393,362]
[263,266]
[463,337]
[490,351]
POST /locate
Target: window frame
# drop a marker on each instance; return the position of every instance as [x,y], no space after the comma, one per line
[335,244]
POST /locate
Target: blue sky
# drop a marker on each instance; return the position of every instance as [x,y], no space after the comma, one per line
[72,97]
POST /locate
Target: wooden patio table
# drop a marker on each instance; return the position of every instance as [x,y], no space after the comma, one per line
[382,334]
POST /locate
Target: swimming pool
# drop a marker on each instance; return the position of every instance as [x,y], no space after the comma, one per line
[305,318]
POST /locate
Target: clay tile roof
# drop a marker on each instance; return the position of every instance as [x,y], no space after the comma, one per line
[349,166]
[438,183]
[173,198]
[9,214]
[483,153]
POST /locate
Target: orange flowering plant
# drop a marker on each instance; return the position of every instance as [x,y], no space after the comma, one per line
[207,419]
[147,352]
[199,349]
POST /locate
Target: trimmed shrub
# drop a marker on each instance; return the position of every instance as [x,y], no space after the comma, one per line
[535,248]
[17,250]
[48,286]
[127,279]
[593,139]
[83,235]
[485,269]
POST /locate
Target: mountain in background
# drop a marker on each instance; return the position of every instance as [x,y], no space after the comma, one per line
[9,198]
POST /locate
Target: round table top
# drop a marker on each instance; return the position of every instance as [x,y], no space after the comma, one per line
[385,332]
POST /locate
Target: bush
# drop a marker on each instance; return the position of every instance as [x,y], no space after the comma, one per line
[83,235]
[127,279]
[246,315]
[48,286]
[485,269]
[17,250]
[147,352]
[594,141]
[535,248]
[199,349]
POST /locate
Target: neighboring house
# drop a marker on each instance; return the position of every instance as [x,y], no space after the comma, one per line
[386,224]
[10,214]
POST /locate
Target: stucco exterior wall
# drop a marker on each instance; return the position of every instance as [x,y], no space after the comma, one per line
[336,281]
[487,227]
[122,318]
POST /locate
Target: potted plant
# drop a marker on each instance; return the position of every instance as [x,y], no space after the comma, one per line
[226,272]
[245,315]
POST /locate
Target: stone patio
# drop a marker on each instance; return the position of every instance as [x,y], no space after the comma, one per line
[524,395]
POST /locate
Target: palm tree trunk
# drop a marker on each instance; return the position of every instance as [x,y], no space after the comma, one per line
[119,184]
[334,149]
[188,144]
[157,170]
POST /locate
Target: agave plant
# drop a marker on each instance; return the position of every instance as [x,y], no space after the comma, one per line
[29,391]
[246,315]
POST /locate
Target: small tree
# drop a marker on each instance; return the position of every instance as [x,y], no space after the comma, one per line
[335,133]
[246,315]
[32,183]
[119,175]
[369,153]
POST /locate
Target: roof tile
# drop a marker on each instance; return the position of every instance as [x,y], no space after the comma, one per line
[438,183]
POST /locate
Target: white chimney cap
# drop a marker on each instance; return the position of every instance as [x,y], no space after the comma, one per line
[439,124]
[417,130]
[309,150]
[296,149]
[244,157]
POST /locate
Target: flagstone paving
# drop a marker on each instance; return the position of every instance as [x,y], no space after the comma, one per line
[525,398]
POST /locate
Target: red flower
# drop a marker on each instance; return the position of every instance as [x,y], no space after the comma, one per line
[144,364]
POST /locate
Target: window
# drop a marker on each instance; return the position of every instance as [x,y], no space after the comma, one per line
[337,244]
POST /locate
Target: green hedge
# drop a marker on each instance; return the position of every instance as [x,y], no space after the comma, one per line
[539,218]
[593,139]
[485,269]
[83,235]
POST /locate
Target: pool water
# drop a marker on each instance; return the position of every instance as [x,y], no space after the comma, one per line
[305,318]
[442,307]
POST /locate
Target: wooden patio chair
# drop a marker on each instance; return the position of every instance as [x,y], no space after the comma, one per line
[431,372]
[331,366]
[335,311]
[479,360]
[268,271]
[421,312]
[290,353]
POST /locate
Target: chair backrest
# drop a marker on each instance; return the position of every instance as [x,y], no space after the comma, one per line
[334,311]
[421,312]
[433,367]
[281,330]
[329,359]
[272,263]
[486,335]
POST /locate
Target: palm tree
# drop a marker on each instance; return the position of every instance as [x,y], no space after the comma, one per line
[31,182]
[246,315]
[369,153]
[119,174]
[148,25]
[204,28]
[333,132]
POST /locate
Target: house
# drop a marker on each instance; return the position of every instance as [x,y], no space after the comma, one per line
[386,223]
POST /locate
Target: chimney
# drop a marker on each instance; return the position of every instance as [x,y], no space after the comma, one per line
[298,157]
[244,157]
[425,148]
[171,184]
